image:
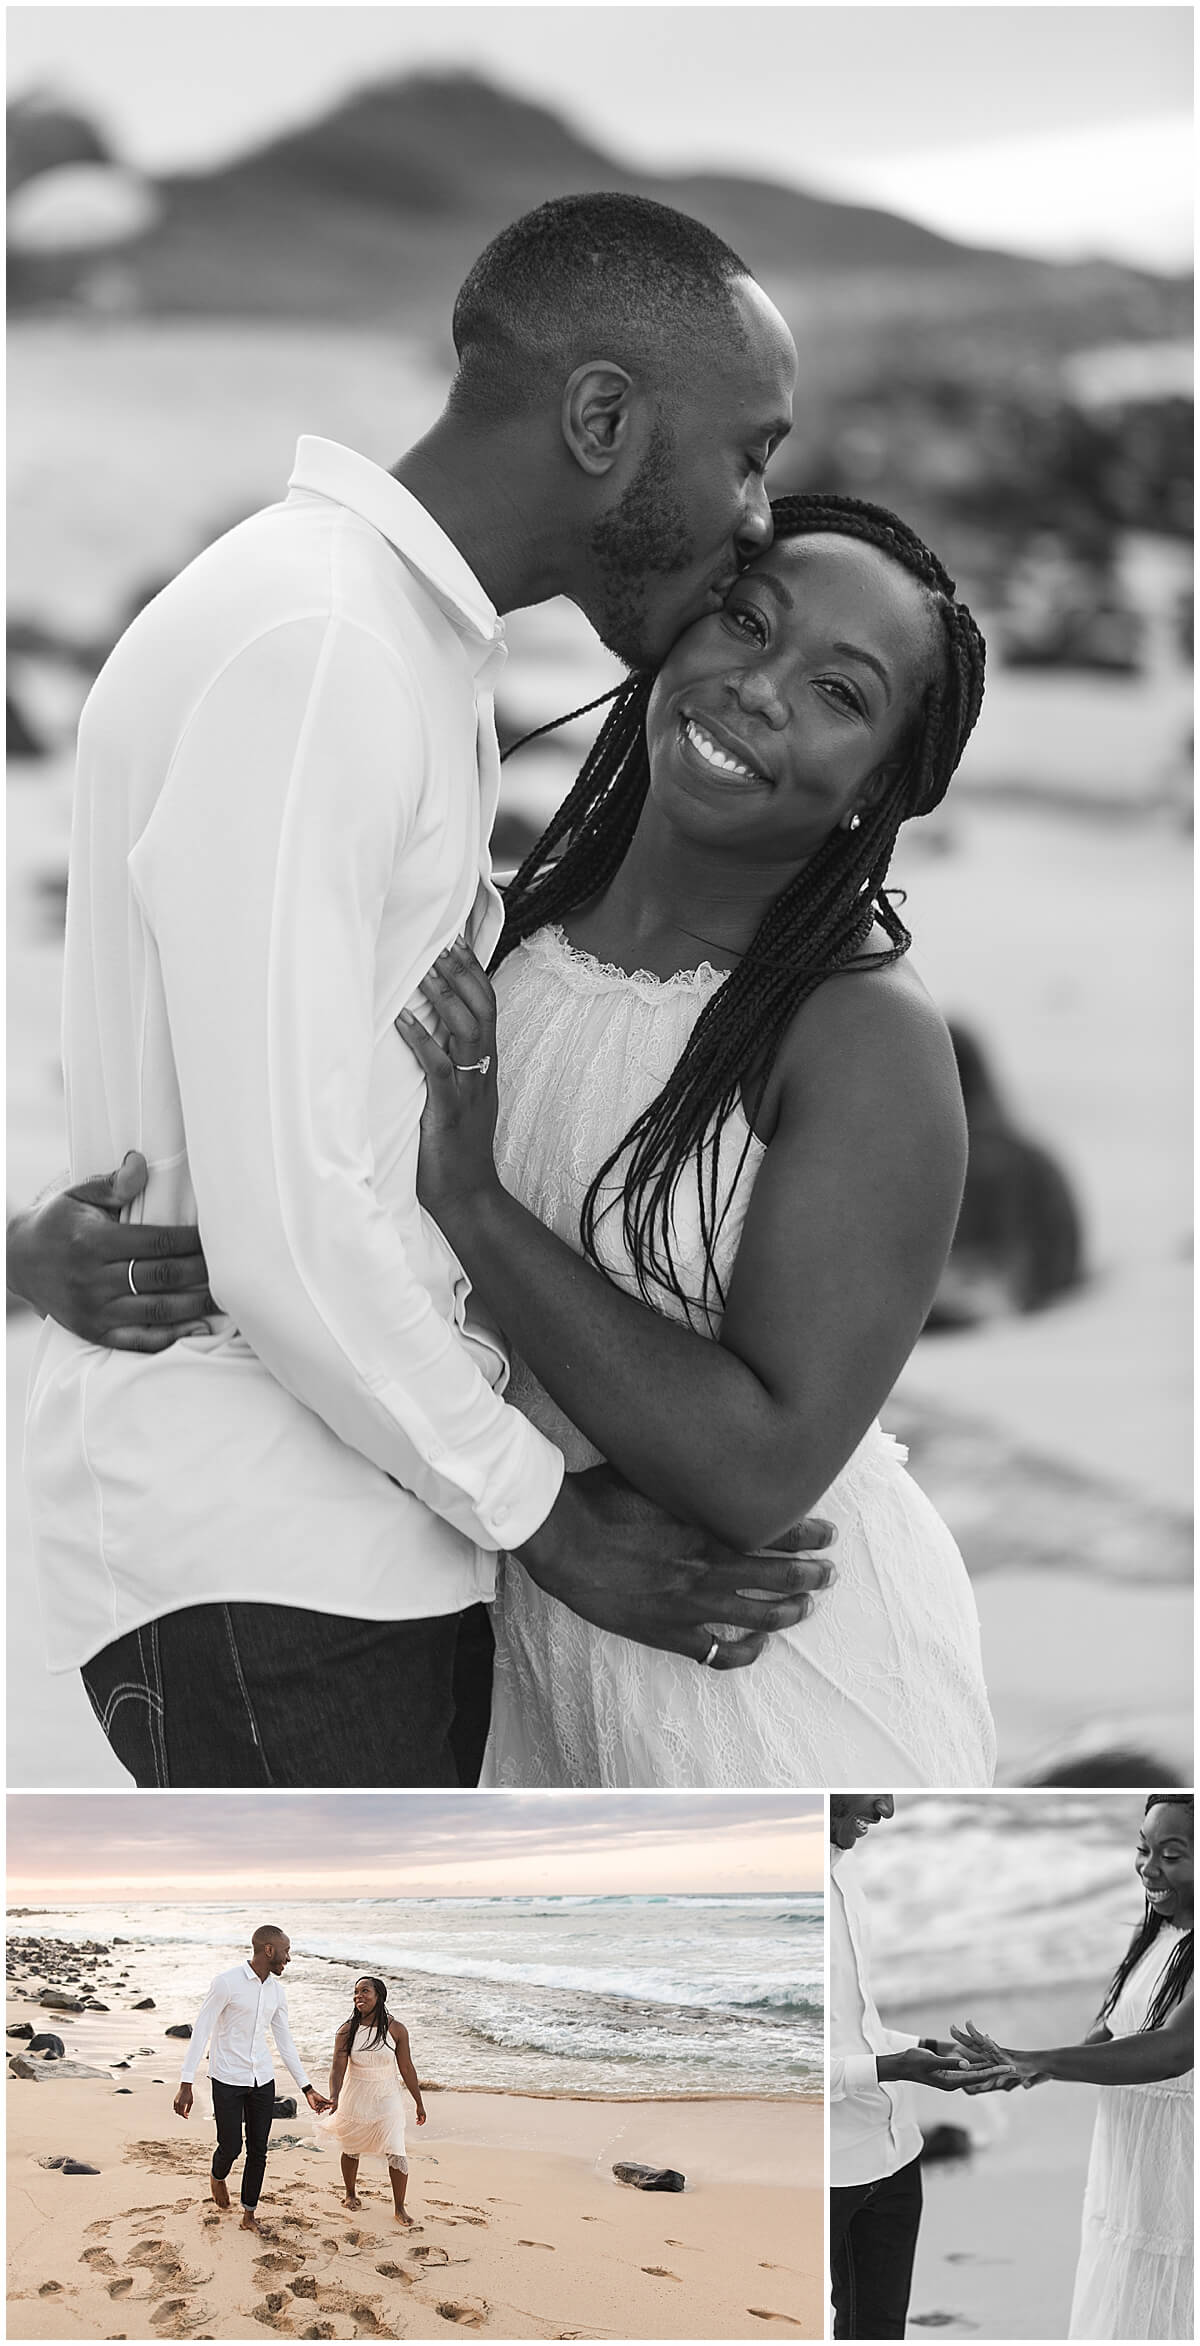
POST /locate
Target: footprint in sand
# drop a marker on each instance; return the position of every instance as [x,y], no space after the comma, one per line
[763,2313]
[397,2273]
[304,2285]
[176,2317]
[99,2260]
[660,2273]
[120,2288]
[104,2224]
[429,2256]
[279,2260]
[537,2244]
[50,2289]
[272,2313]
[469,2312]
[364,2311]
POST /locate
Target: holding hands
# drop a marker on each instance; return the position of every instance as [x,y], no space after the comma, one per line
[984,2053]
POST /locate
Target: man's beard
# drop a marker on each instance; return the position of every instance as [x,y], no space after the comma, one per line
[646,536]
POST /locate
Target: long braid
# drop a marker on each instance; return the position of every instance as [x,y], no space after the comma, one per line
[1177,1971]
[817,927]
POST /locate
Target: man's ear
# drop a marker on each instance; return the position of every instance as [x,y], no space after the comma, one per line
[595,414]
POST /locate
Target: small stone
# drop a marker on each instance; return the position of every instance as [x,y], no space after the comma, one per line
[181,2028]
[23,2029]
[145,2004]
[648,2178]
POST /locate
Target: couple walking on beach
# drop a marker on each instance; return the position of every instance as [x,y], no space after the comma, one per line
[277,1443]
[1134,2276]
[361,2116]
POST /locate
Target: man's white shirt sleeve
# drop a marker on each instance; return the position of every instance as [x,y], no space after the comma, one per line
[283,2039]
[262,875]
[206,2020]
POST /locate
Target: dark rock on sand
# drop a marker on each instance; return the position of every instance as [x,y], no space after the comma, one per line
[57,2002]
[648,2178]
[284,2109]
[23,2028]
[48,2044]
[946,2142]
[181,2028]
[146,2004]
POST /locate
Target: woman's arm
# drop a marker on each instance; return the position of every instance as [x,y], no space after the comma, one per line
[849,1223]
[405,2066]
[338,2065]
[1146,2059]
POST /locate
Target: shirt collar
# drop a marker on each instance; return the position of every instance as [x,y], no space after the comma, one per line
[326,469]
[836,1855]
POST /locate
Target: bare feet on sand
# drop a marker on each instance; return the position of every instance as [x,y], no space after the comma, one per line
[219,2189]
[249,2221]
[350,2201]
[400,2216]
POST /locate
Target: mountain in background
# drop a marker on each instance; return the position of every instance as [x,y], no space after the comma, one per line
[373,213]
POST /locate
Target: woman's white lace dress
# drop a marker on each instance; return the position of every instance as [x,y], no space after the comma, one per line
[369,2119]
[1135,2261]
[882,1684]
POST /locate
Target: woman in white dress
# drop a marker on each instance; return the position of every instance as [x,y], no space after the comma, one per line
[714,1209]
[1135,2265]
[372,2064]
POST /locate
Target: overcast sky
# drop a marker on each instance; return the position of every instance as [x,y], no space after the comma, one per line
[1061,130]
[68,1847]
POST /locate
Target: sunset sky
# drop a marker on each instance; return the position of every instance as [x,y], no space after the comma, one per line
[1055,130]
[65,1848]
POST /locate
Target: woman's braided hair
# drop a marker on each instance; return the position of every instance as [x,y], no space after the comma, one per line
[817,926]
[380,2020]
[1177,1971]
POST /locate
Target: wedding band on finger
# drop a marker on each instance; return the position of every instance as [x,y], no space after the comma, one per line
[713,1651]
[474,1066]
[129,1268]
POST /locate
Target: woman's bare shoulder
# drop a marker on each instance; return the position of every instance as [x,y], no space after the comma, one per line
[870,1032]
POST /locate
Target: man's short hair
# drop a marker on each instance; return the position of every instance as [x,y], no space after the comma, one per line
[583,277]
[268,1934]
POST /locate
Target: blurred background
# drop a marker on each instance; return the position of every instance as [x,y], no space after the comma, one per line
[1013,1911]
[230,225]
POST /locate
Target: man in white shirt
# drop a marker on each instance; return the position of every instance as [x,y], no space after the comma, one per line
[288,772]
[874,2139]
[241,2006]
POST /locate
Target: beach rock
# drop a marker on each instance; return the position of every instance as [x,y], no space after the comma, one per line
[129,2088]
[146,2004]
[21,2066]
[946,2142]
[181,2028]
[48,2044]
[23,2028]
[57,2002]
[648,2178]
[93,2006]
[69,2166]
[284,2109]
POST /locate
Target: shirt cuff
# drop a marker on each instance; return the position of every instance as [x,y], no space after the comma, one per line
[860,2072]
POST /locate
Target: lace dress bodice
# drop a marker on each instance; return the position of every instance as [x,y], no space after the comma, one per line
[1135,2266]
[883,1681]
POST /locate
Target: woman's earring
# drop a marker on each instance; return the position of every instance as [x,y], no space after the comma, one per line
[855,823]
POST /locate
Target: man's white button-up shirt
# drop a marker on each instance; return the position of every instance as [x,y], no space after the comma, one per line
[872,2131]
[287,776]
[233,2021]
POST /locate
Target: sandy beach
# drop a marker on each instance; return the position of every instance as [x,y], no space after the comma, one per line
[520,2229]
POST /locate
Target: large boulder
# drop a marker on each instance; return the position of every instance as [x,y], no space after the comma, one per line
[48,2043]
[57,2002]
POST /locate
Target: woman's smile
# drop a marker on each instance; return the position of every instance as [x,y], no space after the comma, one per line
[725,759]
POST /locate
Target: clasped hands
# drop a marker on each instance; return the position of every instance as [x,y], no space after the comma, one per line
[970,2063]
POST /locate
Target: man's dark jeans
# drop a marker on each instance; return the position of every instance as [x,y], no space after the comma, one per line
[235,2106]
[872,2243]
[269,1694]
